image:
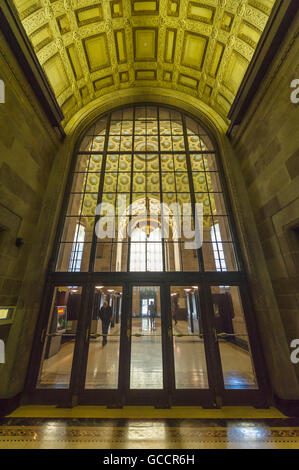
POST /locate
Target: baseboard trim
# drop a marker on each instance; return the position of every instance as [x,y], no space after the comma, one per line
[287,407]
[8,405]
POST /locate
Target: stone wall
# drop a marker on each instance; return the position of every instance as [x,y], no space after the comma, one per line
[266,146]
[28,146]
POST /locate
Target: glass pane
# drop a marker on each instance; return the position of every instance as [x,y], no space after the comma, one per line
[188,342]
[98,143]
[146,248]
[119,256]
[212,203]
[233,341]
[195,143]
[210,162]
[146,341]
[173,256]
[103,256]
[180,163]
[57,359]
[219,256]
[190,259]
[213,180]
[104,339]
[70,231]
[74,257]
[167,162]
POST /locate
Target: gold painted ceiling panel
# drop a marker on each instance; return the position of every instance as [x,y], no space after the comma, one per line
[88,48]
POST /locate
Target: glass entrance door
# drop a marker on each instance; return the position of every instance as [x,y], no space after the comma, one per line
[146,326]
[102,371]
[211,347]
[171,351]
[195,378]
[158,344]
[188,333]
[146,364]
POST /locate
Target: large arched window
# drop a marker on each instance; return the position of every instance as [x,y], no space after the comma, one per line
[146,226]
[140,176]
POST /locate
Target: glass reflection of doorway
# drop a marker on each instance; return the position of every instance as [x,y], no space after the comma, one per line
[104,339]
[188,339]
[232,337]
[145,304]
[60,338]
[146,365]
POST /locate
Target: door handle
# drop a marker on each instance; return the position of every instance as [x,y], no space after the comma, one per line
[87,335]
[226,335]
[42,336]
[215,335]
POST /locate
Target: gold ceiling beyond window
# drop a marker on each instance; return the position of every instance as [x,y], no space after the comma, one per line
[88,48]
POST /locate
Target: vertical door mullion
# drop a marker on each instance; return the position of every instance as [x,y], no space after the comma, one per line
[76,372]
[257,357]
[40,337]
[164,335]
[125,343]
[211,344]
[169,353]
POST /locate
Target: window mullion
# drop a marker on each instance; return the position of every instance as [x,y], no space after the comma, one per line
[161,193]
[191,187]
[100,196]
[131,192]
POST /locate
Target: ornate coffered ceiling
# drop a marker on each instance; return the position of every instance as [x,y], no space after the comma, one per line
[89,48]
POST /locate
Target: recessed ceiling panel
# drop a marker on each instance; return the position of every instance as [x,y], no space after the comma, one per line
[170,45]
[200,12]
[145,74]
[216,60]
[145,7]
[96,50]
[103,82]
[89,15]
[27,7]
[120,42]
[188,81]
[194,49]
[56,74]
[75,61]
[235,71]
[89,47]
[145,44]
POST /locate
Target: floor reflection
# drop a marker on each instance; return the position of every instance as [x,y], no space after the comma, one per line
[146,360]
[32,433]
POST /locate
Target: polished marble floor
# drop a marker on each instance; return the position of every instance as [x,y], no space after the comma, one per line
[95,433]
[146,361]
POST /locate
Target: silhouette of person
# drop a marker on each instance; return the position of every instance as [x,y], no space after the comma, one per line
[105,315]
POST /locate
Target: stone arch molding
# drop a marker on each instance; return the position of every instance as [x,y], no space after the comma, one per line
[83,118]
[90,48]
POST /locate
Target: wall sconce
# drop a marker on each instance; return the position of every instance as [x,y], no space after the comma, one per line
[19,242]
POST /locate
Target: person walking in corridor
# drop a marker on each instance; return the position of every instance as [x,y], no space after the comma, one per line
[152,313]
[105,315]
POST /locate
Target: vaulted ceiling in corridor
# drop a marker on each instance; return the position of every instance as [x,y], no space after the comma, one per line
[88,48]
